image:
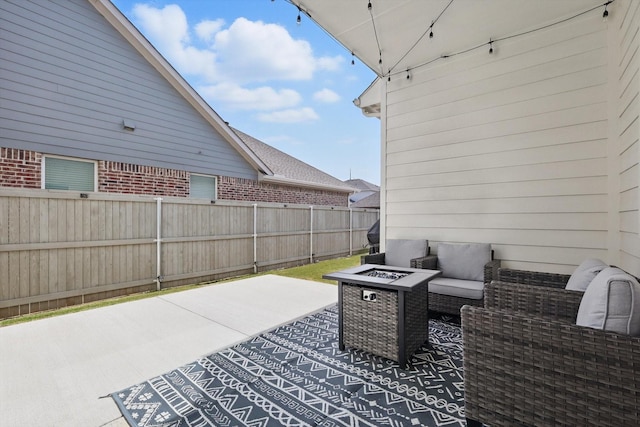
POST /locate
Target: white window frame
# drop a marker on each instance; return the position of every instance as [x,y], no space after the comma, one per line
[74,159]
[215,183]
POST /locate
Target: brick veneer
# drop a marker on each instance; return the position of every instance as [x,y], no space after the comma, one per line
[250,190]
[118,177]
[23,169]
[20,168]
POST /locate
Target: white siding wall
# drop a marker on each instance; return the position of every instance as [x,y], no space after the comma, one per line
[511,149]
[626,129]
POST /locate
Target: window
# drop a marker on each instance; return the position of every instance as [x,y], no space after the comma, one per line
[68,174]
[203,187]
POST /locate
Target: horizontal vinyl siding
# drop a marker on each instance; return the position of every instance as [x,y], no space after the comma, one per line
[508,149]
[69,79]
[627,131]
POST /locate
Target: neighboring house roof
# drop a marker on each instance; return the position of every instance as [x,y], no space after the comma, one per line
[372,201]
[362,185]
[287,167]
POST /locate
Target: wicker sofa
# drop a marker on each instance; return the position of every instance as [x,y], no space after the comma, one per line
[466,268]
[526,362]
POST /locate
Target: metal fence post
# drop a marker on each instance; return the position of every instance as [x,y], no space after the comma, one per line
[255,237]
[158,241]
[350,231]
[311,235]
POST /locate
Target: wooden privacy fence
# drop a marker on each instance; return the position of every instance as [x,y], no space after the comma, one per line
[64,248]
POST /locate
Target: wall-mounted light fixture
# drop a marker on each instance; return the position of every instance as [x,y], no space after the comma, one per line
[128,125]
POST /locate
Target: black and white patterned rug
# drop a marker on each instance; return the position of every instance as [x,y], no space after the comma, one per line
[295,375]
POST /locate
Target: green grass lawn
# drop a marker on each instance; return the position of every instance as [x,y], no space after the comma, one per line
[308,272]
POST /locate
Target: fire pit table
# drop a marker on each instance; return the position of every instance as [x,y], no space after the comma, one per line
[383,309]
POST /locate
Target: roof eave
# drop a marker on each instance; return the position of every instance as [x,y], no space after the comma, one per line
[281,180]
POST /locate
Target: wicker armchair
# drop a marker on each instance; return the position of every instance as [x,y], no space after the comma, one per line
[537,278]
[452,304]
[526,362]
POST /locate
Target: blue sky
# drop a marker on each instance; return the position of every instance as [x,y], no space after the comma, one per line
[291,86]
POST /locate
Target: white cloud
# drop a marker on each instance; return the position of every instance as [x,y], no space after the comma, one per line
[261,98]
[256,51]
[167,28]
[305,114]
[326,95]
[207,30]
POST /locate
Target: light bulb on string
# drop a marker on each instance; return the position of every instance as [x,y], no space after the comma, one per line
[408,75]
[369,6]
[490,46]
[431,32]
[353,61]
[299,18]
[605,14]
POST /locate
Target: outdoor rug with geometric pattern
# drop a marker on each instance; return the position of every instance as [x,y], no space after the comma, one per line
[295,375]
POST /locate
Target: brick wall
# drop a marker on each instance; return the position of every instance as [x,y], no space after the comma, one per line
[249,190]
[23,169]
[118,177]
[20,168]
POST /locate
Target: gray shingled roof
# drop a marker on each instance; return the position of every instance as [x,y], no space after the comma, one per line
[371,202]
[362,185]
[287,166]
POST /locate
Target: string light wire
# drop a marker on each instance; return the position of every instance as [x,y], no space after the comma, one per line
[375,33]
[429,30]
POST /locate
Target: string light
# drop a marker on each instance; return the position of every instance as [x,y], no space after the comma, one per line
[605,14]
[298,19]
[353,60]
[369,6]
[490,46]
[431,28]
[408,75]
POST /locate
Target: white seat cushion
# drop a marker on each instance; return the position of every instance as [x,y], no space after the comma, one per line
[584,274]
[471,289]
[463,261]
[400,252]
[611,303]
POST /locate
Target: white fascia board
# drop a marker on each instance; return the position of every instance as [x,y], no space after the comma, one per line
[369,100]
[146,49]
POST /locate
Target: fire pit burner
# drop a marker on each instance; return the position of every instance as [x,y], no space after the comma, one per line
[392,275]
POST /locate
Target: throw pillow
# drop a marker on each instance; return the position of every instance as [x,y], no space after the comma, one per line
[464,261]
[611,303]
[584,274]
[400,252]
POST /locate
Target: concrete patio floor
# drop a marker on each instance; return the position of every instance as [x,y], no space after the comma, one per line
[54,371]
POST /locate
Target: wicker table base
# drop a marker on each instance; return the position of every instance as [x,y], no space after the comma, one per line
[393,324]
